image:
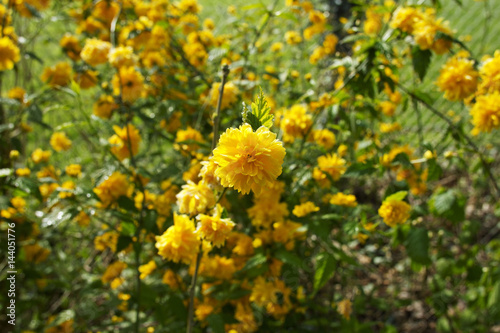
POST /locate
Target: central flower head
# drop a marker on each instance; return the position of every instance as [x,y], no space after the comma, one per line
[248,160]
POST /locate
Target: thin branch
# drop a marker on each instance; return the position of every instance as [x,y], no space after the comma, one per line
[452,126]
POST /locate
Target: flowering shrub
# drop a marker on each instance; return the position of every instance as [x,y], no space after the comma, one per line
[289,167]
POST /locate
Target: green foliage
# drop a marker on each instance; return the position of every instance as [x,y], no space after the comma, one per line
[259,113]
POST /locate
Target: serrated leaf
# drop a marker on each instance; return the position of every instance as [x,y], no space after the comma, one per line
[449,205]
[398,196]
[417,246]
[260,113]
[325,268]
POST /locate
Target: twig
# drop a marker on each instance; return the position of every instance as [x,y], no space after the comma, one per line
[452,126]
[215,138]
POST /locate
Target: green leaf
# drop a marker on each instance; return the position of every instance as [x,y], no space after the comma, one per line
[435,171]
[359,169]
[126,203]
[128,228]
[35,115]
[421,60]
[417,246]
[494,298]
[398,196]
[325,268]
[449,205]
[150,221]
[123,242]
[260,113]
[402,159]
[289,258]
[216,323]
[254,262]
[62,317]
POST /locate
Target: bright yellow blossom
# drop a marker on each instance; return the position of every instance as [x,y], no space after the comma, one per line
[248,160]
[213,228]
[179,242]
[59,141]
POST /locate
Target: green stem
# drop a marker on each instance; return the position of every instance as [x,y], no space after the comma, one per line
[192,292]
[225,73]
[192,288]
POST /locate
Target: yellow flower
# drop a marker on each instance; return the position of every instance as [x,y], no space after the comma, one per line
[457,79]
[9,53]
[122,56]
[19,204]
[267,210]
[35,253]
[59,141]
[394,212]
[189,134]
[263,292]
[147,269]
[330,43]
[71,46]
[18,94]
[171,279]
[86,79]
[195,198]
[128,83]
[112,188]
[74,170]
[39,155]
[104,106]
[95,51]
[388,108]
[324,138]
[292,37]
[229,96]
[490,74]
[405,18]
[304,209]
[107,240]
[203,311]
[67,185]
[373,22]
[57,75]
[295,123]
[83,219]
[179,242]
[207,174]
[425,33]
[331,164]
[248,160]
[390,127]
[125,138]
[23,172]
[344,308]
[486,113]
[47,189]
[113,271]
[105,10]
[189,6]
[48,171]
[276,47]
[341,199]
[213,228]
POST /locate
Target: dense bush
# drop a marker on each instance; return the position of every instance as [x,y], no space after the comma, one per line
[290,167]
